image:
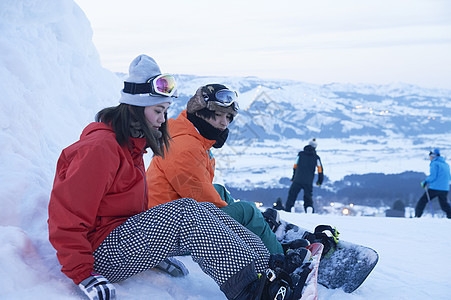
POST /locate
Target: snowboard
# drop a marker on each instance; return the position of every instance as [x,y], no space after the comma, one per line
[346,267]
[310,290]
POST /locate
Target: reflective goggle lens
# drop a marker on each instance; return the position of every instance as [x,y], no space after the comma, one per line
[163,84]
[226,97]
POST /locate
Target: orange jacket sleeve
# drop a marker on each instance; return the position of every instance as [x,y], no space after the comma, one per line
[187,171]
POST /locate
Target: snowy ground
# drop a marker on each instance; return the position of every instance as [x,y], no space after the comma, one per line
[340,157]
[414,263]
[52,85]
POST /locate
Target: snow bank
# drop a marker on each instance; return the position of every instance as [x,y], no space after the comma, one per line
[52,85]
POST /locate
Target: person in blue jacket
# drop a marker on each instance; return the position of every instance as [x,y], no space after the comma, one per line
[436,184]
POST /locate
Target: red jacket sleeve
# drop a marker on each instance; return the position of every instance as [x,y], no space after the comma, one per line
[83,176]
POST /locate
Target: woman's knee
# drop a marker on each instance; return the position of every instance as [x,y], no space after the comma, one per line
[185,202]
[248,207]
[244,212]
[207,205]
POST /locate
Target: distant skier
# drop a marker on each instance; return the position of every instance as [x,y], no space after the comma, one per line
[397,211]
[303,175]
[278,205]
[436,184]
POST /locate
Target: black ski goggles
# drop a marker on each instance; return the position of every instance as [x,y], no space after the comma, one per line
[225,98]
[160,85]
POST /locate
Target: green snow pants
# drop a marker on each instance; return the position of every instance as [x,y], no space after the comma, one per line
[248,215]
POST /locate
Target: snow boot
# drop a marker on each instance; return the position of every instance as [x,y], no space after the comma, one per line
[272,218]
[287,274]
[254,290]
[273,285]
[283,280]
[280,286]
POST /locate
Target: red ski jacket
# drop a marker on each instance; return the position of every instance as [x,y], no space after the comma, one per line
[98,185]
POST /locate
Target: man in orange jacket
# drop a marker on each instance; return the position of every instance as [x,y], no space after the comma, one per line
[187,169]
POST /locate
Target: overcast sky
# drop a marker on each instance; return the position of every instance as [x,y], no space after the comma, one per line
[323,41]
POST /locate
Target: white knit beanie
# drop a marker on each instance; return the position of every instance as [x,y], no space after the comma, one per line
[313,143]
[142,68]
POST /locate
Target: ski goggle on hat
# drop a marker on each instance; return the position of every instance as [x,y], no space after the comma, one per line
[160,85]
[224,98]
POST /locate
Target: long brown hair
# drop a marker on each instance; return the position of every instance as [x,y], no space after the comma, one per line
[120,118]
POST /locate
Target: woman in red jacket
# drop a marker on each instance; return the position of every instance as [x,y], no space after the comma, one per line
[98,218]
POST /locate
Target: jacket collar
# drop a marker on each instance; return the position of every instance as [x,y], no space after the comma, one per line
[183,126]
[138,144]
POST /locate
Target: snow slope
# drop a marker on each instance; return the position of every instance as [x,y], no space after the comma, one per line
[52,85]
[414,263]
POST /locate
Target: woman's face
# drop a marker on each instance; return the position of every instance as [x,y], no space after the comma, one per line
[155,114]
[221,120]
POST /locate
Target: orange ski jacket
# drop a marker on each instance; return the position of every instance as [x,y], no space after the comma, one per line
[187,170]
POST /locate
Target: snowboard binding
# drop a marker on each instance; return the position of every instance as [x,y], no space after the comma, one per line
[325,235]
[288,274]
[294,244]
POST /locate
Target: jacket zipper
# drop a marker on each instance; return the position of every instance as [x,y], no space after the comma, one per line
[144,207]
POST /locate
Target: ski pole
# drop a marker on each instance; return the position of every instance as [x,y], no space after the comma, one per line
[429,200]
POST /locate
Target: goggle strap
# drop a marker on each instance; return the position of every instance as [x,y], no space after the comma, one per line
[137,88]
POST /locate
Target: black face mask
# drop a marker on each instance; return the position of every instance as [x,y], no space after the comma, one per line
[208,131]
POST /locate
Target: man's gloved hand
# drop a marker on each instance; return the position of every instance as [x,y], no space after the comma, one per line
[424,184]
[97,287]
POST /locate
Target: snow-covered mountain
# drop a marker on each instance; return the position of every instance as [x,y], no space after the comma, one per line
[280,109]
[360,128]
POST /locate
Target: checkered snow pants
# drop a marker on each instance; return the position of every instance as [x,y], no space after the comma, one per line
[220,245]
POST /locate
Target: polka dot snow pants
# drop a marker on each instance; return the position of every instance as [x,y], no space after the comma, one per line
[220,245]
